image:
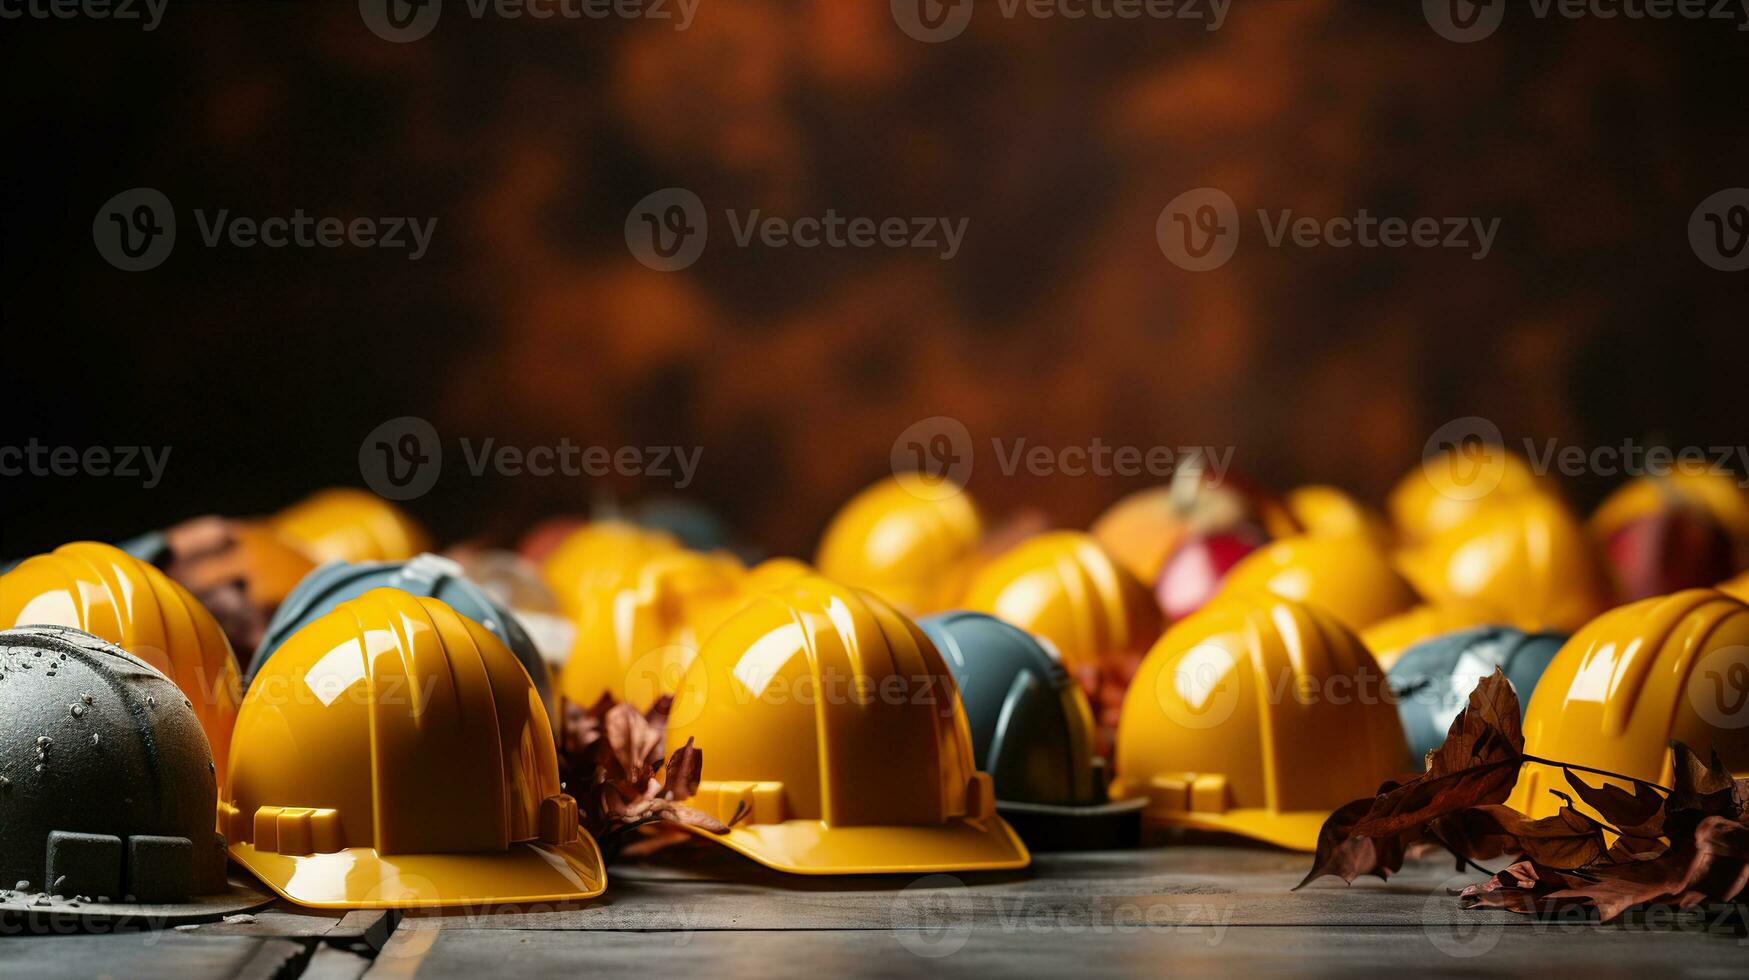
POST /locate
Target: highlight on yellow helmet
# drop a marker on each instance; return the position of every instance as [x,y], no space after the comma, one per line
[1347,575]
[394,754]
[598,555]
[915,550]
[348,524]
[115,597]
[1465,475]
[1738,587]
[1257,718]
[832,726]
[1327,511]
[1389,637]
[1529,559]
[1063,587]
[1670,667]
[636,638]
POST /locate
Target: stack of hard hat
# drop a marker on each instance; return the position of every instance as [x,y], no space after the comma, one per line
[426,575]
[347,524]
[835,733]
[1432,680]
[1688,528]
[915,545]
[1033,732]
[394,753]
[107,782]
[1258,718]
[102,590]
[1671,667]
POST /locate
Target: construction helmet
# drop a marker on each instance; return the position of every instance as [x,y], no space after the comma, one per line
[636,638]
[1738,587]
[106,780]
[426,575]
[515,583]
[347,524]
[1527,558]
[117,598]
[916,552]
[1143,529]
[1347,575]
[1033,732]
[1065,588]
[1671,667]
[1450,486]
[394,754]
[830,723]
[1327,511]
[1389,637]
[1716,492]
[1433,679]
[601,555]
[1257,718]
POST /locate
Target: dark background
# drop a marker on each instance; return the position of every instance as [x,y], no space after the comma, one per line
[1060,321]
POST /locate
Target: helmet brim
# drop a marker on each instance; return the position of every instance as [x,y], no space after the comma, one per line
[1296,831]
[360,878]
[811,847]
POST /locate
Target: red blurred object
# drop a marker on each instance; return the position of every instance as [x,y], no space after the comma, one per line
[1680,547]
[1195,570]
[541,539]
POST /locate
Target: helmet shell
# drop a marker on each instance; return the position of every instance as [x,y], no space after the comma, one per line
[1433,679]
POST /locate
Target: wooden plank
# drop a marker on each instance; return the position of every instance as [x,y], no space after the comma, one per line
[163,955]
[292,922]
[333,963]
[443,954]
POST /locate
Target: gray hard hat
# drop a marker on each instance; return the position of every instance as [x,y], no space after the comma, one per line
[107,786]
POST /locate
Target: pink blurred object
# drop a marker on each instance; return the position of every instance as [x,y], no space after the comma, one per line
[1680,547]
[1196,569]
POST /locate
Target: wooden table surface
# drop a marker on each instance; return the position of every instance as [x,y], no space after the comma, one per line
[707,914]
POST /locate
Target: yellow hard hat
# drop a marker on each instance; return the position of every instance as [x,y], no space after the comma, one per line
[915,551]
[1738,587]
[1257,718]
[1670,667]
[832,723]
[1347,575]
[118,598]
[1328,512]
[1447,488]
[774,573]
[1065,588]
[636,638]
[394,754]
[348,524]
[1527,558]
[598,555]
[1389,637]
